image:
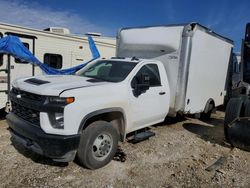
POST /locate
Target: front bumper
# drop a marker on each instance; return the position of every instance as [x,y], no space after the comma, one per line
[57,147]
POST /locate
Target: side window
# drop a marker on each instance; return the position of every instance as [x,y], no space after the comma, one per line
[153,72]
[17,60]
[53,60]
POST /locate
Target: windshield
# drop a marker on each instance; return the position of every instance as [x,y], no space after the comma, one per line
[110,71]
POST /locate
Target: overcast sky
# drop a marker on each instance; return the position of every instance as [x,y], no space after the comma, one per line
[226,17]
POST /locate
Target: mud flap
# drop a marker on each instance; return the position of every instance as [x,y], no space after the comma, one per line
[238,133]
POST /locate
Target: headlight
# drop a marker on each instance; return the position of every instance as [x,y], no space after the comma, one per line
[57,120]
[61,100]
[56,117]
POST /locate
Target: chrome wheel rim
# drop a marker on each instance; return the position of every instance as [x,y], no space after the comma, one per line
[102,146]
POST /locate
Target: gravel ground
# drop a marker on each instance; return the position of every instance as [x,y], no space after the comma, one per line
[176,157]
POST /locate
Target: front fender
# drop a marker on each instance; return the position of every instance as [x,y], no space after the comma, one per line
[76,114]
[99,112]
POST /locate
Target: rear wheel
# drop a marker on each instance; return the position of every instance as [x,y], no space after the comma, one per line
[207,113]
[233,111]
[98,145]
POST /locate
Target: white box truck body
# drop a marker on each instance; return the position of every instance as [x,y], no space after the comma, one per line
[195,58]
[159,71]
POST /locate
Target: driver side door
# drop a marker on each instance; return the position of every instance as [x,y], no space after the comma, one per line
[151,106]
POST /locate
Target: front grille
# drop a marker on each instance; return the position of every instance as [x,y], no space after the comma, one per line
[27,114]
[27,95]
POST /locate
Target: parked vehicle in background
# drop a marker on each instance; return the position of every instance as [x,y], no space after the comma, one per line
[237,115]
[159,71]
[54,46]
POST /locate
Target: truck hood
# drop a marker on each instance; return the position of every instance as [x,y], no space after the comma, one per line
[54,85]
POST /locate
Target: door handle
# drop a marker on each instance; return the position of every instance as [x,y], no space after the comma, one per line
[162,93]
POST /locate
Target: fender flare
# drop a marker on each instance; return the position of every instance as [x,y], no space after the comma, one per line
[103,111]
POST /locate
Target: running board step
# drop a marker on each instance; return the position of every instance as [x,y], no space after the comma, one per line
[138,137]
[4,70]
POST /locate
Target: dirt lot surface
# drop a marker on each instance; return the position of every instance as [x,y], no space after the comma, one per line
[176,157]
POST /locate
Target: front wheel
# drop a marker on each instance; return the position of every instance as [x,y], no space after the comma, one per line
[98,145]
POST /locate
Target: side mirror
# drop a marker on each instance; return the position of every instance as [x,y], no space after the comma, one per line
[140,84]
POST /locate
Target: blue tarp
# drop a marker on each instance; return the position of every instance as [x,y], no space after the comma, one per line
[13,46]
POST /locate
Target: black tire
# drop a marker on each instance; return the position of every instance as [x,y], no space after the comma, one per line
[98,145]
[206,116]
[233,111]
[2,113]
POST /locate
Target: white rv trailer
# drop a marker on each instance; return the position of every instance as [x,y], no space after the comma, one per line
[53,46]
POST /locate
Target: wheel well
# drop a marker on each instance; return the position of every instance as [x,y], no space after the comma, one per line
[116,118]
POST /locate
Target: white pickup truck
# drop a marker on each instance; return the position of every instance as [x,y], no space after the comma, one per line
[158,71]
